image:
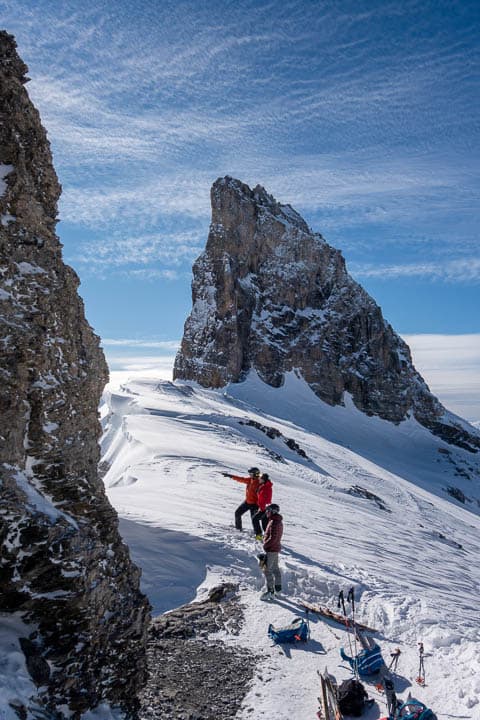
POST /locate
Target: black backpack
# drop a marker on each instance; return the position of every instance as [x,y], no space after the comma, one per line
[351,697]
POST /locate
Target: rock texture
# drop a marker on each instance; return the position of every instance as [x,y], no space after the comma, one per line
[192,675]
[64,569]
[271,295]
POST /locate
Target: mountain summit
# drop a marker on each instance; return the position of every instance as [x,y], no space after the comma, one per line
[272,296]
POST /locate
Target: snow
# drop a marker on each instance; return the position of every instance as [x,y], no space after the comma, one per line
[16,685]
[40,501]
[103,712]
[4,171]
[27,268]
[414,565]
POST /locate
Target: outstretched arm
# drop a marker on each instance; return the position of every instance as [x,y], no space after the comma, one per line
[239,479]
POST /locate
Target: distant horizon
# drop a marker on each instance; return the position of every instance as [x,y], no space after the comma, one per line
[450,365]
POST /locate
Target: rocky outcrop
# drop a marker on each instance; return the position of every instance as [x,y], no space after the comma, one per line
[271,295]
[192,673]
[64,570]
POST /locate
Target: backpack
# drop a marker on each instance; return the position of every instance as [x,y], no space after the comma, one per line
[413,709]
[367,661]
[351,697]
[297,630]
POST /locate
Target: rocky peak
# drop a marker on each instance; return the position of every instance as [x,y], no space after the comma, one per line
[66,576]
[272,296]
[228,193]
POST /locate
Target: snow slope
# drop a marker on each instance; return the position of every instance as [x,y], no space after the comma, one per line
[367,507]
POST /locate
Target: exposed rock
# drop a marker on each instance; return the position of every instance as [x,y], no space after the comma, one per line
[271,295]
[458,494]
[63,565]
[359,491]
[275,434]
[192,675]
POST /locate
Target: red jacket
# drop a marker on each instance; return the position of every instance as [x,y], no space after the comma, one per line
[273,534]
[250,490]
[264,494]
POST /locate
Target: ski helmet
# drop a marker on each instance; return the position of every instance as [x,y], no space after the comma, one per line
[272,508]
[254,471]
[265,476]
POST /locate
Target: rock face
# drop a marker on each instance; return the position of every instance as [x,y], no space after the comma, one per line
[271,295]
[64,570]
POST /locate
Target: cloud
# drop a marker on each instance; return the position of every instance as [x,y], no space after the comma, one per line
[451,366]
[127,357]
[127,342]
[463,270]
[323,105]
[153,368]
[167,255]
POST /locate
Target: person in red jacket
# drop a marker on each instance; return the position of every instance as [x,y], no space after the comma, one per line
[264,498]
[272,547]
[250,503]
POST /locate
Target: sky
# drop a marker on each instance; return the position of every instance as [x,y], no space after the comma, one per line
[362,115]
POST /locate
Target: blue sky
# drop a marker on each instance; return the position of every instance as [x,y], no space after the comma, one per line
[362,115]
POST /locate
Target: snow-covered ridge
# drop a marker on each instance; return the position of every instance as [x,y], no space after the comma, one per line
[367,505]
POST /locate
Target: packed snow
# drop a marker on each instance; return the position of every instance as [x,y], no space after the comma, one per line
[366,506]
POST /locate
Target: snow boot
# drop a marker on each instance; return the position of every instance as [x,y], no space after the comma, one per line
[267,596]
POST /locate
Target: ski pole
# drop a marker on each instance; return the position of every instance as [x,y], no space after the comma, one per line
[351,600]
[394,661]
[341,603]
[421,666]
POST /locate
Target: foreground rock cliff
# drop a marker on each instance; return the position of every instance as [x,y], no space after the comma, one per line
[67,582]
[272,296]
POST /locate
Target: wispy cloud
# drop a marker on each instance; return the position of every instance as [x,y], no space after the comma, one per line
[464,270]
[165,255]
[170,345]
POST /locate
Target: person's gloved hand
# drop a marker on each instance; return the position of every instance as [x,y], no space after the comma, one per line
[225,474]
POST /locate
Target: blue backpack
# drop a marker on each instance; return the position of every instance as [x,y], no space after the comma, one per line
[366,662]
[296,631]
[413,709]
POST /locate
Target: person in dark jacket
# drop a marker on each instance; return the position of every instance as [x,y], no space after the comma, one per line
[272,547]
[250,502]
[264,498]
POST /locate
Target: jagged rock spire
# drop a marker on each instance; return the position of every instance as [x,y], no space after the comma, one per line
[64,569]
[272,296]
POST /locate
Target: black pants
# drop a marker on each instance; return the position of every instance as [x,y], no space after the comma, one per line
[243,508]
[260,517]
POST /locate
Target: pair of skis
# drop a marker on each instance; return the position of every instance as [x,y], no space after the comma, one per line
[328,614]
[329,709]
